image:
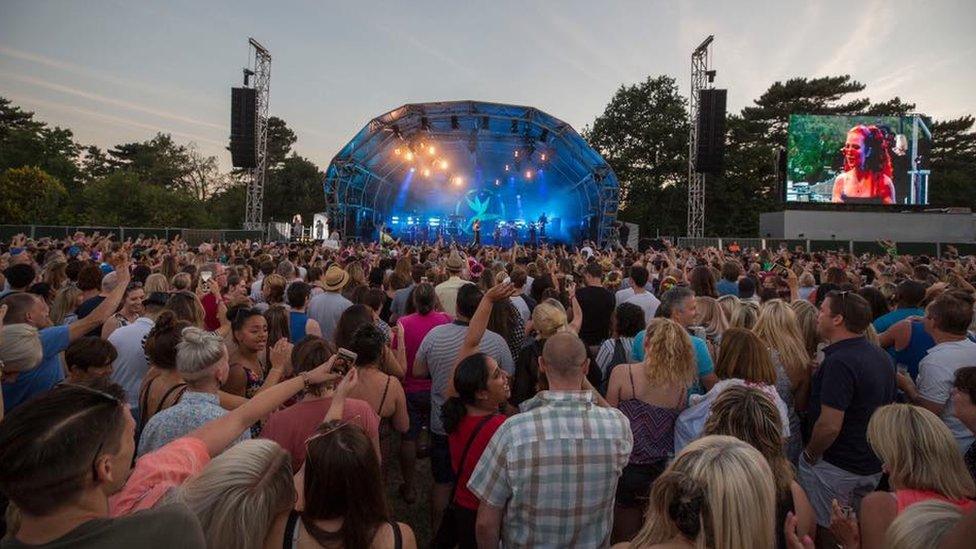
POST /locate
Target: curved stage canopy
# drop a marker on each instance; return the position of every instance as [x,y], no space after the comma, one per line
[434,168]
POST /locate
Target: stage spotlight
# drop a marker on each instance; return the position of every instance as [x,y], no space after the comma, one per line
[497,182]
[507,167]
[528,174]
[431,150]
[443,164]
[426,172]
[412,169]
[454,122]
[397,151]
[458,181]
[409,156]
[543,157]
[516,153]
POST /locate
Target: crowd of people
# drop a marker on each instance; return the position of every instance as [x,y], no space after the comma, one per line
[247,394]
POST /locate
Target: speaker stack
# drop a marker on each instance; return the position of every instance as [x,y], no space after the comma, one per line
[710,153]
[243,107]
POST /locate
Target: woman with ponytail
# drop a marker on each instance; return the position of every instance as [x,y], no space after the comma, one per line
[163,385]
[718,493]
[470,419]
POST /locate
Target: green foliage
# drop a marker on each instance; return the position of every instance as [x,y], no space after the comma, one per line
[643,135]
[143,206]
[295,186]
[29,195]
[27,142]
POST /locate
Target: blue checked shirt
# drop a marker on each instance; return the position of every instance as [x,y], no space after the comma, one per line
[554,468]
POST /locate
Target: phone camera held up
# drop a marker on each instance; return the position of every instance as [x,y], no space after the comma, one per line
[344,361]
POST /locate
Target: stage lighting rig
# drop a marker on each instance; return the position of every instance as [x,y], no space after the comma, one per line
[514,128]
[424,124]
[454,122]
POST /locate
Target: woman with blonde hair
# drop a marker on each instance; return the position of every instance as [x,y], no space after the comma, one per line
[923,463]
[181,282]
[806,321]
[711,317]
[239,494]
[156,282]
[718,493]
[922,525]
[742,360]
[729,303]
[548,318]
[749,415]
[744,316]
[651,395]
[777,328]
[65,302]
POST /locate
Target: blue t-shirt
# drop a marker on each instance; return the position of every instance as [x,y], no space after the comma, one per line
[727,287]
[703,360]
[887,320]
[48,373]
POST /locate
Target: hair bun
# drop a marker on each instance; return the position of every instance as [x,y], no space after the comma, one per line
[687,506]
[193,335]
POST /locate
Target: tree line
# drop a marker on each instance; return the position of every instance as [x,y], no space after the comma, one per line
[47,177]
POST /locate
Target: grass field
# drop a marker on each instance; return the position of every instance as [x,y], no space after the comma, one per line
[417,515]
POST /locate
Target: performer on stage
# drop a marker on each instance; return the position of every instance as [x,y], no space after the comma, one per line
[866,163]
[542,224]
[476,228]
[532,235]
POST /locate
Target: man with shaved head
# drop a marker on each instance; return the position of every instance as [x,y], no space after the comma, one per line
[564,452]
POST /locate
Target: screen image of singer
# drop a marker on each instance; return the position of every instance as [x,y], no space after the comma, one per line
[858,159]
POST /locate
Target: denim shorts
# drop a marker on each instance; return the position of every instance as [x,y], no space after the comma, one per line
[418,408]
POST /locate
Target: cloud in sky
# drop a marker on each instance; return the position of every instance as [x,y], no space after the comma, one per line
[115,71]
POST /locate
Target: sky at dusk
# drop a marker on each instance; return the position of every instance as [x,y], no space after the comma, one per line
[120,71]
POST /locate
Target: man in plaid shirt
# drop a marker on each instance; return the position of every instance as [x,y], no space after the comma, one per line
[549,474]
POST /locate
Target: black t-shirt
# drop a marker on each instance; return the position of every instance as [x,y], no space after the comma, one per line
[857,378]
[597,304]
[167,526]
[86,308]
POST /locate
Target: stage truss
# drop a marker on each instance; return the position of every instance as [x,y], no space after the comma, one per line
[696,181]
[260,68]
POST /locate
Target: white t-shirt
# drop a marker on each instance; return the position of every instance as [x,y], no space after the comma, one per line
[647,302]
[522,306]
[936,372]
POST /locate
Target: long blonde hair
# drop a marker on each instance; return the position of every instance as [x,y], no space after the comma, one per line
[668,354]
[239,494]
[729,303]
[923,524]
[744,316]
[711,315]
[919,450]
[777,328]
[806,321]
[64,303]
[737,506]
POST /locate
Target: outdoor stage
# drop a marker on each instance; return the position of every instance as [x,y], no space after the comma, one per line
[431,170]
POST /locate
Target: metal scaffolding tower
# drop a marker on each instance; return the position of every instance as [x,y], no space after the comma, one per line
[260,69]
[701,78]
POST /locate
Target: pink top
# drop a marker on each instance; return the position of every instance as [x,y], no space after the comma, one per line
[415,328]
[292,426]
[906,498]
[157,472]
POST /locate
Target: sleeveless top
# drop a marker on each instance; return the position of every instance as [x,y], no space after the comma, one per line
[652,426]
[918,346]
[296,326]
[293,530]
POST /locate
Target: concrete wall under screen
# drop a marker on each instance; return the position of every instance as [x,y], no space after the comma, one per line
[900,227]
